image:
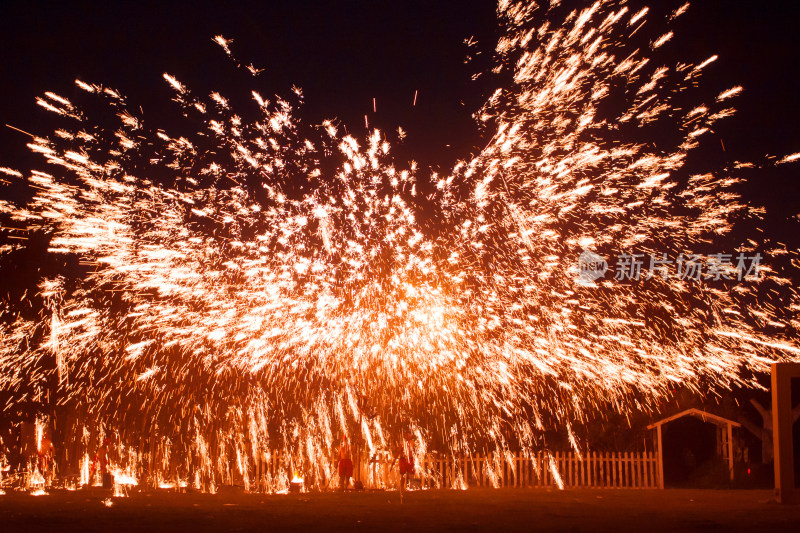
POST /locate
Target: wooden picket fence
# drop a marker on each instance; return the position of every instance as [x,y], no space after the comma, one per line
[619,470]
[560,469]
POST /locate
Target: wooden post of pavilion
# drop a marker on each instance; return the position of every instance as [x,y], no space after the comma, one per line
[782,374]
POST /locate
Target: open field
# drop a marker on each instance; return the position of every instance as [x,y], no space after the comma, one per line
[473,510]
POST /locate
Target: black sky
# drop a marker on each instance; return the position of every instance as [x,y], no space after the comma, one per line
[344,54]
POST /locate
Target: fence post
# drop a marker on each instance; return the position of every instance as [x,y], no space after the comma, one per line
[586,470]
[604,469]
[589,463]
[507,471]
[469,470]
[573,464]
[569,458]
[598,470]
[445,472]
[624,470]
[643,472]
[622,479]
[632,468]
[545,467]
[651,470]
[606,473]
[629,482]
[612,466]
[645,468]
[582,475]
[643,480]
[559,468]
[559,465]
[634,478]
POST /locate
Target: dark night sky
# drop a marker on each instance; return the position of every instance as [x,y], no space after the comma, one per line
[345,53]
[342,54]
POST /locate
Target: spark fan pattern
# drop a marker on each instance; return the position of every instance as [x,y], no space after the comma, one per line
[267,284]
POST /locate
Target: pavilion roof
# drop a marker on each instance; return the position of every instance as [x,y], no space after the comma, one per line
[705,416]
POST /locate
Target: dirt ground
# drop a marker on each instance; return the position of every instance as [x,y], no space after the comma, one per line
[441,511]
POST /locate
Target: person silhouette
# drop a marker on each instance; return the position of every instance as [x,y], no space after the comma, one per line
[345,464]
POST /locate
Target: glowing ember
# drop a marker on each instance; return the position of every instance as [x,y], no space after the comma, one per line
[297,484]
[121,478]
[265,285]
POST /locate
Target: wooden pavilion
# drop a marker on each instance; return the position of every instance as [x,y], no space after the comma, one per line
[724,437]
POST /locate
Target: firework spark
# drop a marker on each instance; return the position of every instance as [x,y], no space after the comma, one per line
[265,284]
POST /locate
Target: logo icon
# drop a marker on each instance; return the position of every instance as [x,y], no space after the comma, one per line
[591,267]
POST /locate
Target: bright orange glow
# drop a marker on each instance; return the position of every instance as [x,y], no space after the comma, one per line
[279,291]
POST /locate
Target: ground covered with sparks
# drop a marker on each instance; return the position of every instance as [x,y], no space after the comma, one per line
[476,510]
[266,284]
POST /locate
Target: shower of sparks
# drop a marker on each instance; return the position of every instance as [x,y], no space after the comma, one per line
[269,285]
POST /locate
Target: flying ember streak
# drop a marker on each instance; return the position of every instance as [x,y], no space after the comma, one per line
[265,284]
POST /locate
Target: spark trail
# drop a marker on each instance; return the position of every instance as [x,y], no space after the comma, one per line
[269,284]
